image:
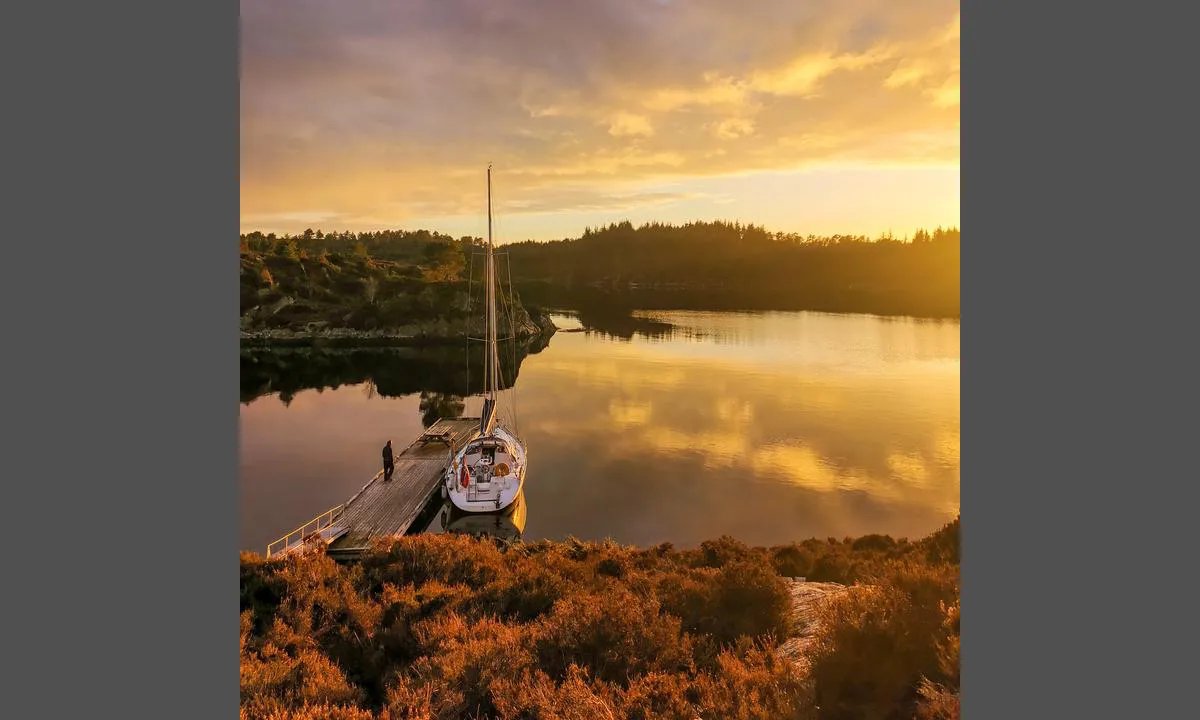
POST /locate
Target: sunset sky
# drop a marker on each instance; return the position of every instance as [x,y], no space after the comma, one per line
[826,116]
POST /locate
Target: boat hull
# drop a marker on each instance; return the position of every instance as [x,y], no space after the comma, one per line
[486,492]
[504,501]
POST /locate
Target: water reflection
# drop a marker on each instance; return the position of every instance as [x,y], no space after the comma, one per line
[598,312]
[435,406]
[770,427]
[507,525]
[445,370]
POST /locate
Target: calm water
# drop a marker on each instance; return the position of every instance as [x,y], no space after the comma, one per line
[769,427]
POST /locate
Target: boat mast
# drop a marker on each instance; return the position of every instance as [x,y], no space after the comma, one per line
[493,355]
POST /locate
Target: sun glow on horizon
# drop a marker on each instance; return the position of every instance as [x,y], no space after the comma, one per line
[830,119]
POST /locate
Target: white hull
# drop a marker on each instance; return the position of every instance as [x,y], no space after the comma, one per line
[492,482]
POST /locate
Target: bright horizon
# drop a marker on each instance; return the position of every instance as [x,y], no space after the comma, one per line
[808,117]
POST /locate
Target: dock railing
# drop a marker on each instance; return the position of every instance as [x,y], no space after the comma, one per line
[328,518]
[308,529]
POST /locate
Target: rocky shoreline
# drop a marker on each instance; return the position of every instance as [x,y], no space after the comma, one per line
[538,330]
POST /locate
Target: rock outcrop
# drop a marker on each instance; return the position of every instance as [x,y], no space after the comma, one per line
[807,598]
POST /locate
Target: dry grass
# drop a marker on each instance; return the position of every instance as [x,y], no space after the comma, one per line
[454,627]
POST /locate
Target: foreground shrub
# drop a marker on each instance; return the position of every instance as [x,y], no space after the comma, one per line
[457,627]
[452,559]
[614,635]
[270,709]
[309,677]
[937,702]
[943,545]
[792,561]
[750,600]
[752,682]
[722,551]
[878,643]
[744,598]
[533,694]
[461,664]
[526,592]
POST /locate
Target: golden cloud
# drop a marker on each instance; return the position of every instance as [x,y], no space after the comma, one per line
[628,124]
[389,110]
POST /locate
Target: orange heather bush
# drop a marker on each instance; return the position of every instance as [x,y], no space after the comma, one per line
[455,627]
[577,697]
[267,709]
[885,648]
[614,635]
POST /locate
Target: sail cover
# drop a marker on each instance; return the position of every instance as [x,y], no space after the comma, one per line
[488,420]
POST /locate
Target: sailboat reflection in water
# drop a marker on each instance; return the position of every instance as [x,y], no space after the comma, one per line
[507,524]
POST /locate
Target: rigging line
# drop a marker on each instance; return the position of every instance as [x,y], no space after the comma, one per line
[493,355]
[470,286]
[513,325]
[501,399]
[512,322]
[487,372]
[497,297]
[505,301]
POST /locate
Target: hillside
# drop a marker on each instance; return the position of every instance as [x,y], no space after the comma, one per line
[444,626]
[730,266]
[291,294]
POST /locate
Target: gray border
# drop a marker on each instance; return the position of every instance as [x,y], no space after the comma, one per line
[1069,295]
[121,404]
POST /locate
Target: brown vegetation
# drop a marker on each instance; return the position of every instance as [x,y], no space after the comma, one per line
[455,627]
[285,292]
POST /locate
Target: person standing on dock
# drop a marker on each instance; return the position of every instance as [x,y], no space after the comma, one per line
[388,465]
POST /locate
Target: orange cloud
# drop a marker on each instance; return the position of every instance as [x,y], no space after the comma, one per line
[388,110]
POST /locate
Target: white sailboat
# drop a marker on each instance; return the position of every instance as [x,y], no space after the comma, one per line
[487,473]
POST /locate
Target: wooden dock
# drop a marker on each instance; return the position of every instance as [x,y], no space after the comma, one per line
[384,508]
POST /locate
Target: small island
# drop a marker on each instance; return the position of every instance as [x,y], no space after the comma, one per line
[291,296]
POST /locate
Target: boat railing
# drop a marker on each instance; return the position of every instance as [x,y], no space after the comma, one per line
[309,529]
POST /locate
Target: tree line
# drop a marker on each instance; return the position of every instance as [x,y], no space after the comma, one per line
[719,263]
[722,253]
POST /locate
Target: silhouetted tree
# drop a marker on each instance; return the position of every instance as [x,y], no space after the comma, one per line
[721,264]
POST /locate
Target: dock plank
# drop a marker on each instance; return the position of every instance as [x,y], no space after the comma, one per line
[388,507]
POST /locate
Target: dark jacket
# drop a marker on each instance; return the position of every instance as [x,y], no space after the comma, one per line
[387,453]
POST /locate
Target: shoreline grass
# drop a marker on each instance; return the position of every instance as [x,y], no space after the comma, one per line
[443,626]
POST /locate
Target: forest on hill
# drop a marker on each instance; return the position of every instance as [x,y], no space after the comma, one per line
[700,265]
